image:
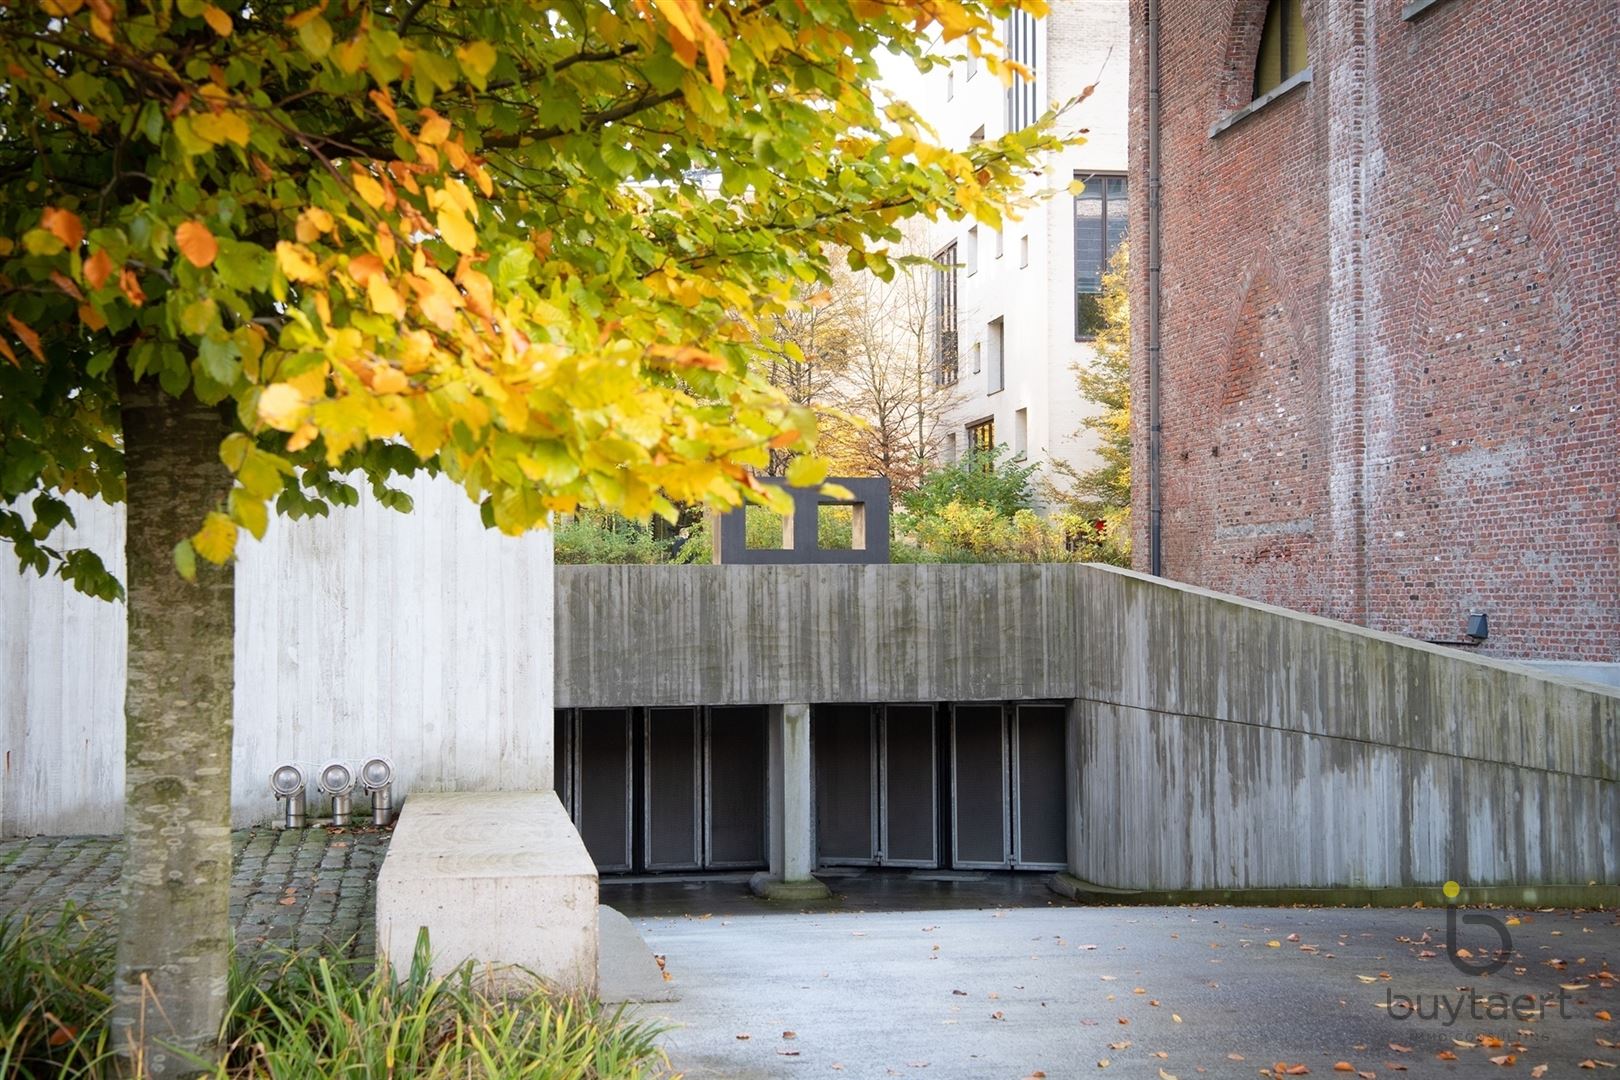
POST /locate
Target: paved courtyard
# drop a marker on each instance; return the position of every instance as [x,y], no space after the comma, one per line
[981,977]
[1066,991]
[297,888]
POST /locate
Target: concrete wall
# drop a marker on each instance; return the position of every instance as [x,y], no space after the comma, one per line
[707,635]
[1216,743]
[424,637]
[1227,744]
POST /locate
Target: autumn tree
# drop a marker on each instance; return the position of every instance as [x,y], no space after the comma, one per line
[1102,492]
[251,255]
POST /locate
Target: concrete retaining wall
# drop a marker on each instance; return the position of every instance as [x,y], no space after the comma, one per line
[425,637]
[1232,745]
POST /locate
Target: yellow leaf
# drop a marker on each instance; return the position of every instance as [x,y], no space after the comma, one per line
[457,230]
[435,129]
[369,190]
[282,407]
[477,59]
[217,19]
[312,222]
[216,128]
[383,297]
[296,262]
[807,472]
[216,540]
[196,243]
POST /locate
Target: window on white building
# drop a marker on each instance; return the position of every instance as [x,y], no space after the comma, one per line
[1023,107]
[1100,223]
[945,322]
[1023,251]
[1021,432]
[1001,243]
[997,347]
[978,357]
[973,250]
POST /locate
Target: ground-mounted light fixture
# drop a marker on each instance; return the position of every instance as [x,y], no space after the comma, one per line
[377,778]
[288,783]
[337,780]
[1479,625]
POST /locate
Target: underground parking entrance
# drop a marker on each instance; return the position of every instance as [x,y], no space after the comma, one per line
[941,791]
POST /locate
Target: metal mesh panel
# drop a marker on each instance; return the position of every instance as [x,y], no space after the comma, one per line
[737,771]
[979,785]
[845,796]
[603,786]
[673,789]
[1042,799]
[910,786]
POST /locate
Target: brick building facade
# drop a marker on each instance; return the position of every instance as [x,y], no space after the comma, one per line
[1388,315]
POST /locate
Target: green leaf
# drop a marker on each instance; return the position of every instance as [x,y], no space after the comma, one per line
[185,560]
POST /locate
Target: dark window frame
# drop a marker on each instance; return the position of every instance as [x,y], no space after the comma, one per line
[1084,331]
[981,441]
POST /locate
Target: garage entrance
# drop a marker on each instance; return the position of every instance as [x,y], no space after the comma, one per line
[655,790]
[961,786]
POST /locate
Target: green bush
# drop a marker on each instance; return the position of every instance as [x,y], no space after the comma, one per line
[307,1016]
[606,538]
[985,478]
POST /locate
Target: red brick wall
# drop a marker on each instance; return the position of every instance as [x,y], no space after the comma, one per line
[1389,318]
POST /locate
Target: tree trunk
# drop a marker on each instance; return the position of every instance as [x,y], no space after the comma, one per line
[174,940]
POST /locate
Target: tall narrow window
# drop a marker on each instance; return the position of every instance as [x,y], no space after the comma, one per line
[1282,46]
[1022,105]
[1100,221]
[973,250]
[996,347]
[946,348]
[1021,432]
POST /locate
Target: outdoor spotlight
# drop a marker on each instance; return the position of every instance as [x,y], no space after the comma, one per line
[337,780]
[1479,625]
[377,777]
[287,781]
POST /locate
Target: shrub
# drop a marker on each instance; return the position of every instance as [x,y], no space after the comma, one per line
[606,538]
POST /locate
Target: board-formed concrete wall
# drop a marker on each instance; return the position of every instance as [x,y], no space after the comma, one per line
[423,637]
[1218,744]
[1225,744]
[709,635]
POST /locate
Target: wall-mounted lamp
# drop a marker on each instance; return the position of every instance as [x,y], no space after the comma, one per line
[377,777]
[288,783]
[1479,625]
[337,780]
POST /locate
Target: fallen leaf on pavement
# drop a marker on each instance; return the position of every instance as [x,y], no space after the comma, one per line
[1399,1049]
[1343,1066]
[1504,1059]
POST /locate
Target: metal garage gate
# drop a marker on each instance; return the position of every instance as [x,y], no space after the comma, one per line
[666,789]
[877,788]
[883,772]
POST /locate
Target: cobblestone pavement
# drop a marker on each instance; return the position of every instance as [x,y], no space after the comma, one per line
[295,888]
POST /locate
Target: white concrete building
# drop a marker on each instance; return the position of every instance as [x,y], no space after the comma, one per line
[1016,306]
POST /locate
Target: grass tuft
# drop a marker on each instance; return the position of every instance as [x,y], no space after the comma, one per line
[299,1016]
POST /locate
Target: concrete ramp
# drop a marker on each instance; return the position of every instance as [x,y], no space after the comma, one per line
[626,971]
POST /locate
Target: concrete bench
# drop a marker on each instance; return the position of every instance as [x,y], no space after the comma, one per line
[501,878]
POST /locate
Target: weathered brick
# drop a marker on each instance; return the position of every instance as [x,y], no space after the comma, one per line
[1389,339]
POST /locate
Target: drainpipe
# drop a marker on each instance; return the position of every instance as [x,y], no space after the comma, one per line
[1155,426]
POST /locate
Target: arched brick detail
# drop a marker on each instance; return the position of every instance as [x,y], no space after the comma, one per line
[1264,480]
[1246,20]
[1495,488]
